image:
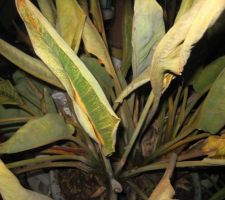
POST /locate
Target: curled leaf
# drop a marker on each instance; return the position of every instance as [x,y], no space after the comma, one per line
[174,49]
[11,189]
[36,133]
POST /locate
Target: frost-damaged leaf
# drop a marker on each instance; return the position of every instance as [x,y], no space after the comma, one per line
[214,146]
[209,74]
[148,29]
[90,104]
[28,63]
[127,36]
[47,8]
[175,47]
[8,94]
[70,22]
[38,132]
[11,189]
[95,10]
[212,115]
[164,190]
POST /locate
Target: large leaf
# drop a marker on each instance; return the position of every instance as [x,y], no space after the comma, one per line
[8,94]
[174,49]
[38,132]
[212,114]
[70,22]
[148,29]
[27,63]
[11,189]
[90,104]
[209,74]
[127,36]
[47,8]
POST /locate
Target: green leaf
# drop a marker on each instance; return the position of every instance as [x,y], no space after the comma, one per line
[47,8]
[70,22]
[90,104]
[27,93]
[99,73]
[8,94]
[148,29]
[29,64]
[11,189]
[174,49]
[212,115]
[209,74]
[127,36]
[38,132]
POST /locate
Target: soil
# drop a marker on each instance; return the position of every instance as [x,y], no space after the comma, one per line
[78,185]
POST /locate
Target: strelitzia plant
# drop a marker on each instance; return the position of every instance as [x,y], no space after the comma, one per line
[73,57]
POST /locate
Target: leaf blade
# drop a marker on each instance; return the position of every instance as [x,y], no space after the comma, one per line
[90,104]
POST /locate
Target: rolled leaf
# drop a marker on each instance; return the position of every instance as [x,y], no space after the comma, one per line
[28,63]
[148,29]
[212,115]
[8,94]
[10,188]
[95,10]
[174,49]
[90,104]
[47,8]
[127,36]
[70,22]
[209,74]
[38,132]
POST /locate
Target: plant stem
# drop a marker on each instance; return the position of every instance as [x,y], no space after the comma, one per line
[137,190]
[115,185]
[135,134]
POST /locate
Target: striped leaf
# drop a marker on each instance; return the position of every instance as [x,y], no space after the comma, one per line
[90,104]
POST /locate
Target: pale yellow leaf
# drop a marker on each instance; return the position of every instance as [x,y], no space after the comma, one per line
[11,189]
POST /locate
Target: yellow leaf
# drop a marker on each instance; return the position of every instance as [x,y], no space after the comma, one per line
[214,146]
[70,22]
[174,49]
[11,189]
